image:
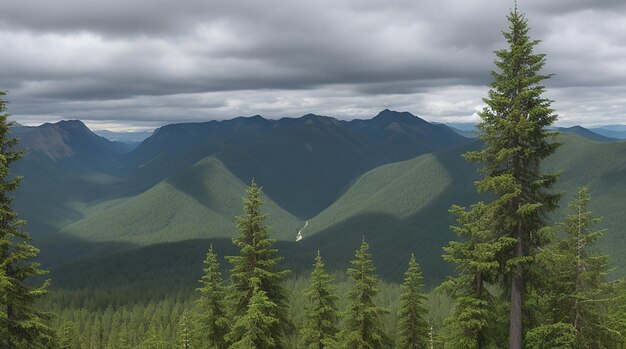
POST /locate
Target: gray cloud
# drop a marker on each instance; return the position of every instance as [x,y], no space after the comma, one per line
[150,62]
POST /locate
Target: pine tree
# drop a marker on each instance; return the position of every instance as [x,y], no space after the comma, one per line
[413,329]
[320,315]
[514,130]
[254,329]
[21,323]
[575,282]
[362,324]
[184,333]
[476,260]
[123,339]
[258,260]
[65,336]
[211,323]
[152,340]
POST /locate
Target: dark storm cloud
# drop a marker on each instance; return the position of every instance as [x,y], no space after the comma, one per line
[151,61]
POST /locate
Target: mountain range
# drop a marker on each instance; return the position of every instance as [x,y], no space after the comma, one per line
[93,202]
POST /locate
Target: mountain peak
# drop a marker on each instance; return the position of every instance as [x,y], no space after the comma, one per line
[584,132]
[392,115]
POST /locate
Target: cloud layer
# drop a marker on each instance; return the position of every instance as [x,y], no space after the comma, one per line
[144,63]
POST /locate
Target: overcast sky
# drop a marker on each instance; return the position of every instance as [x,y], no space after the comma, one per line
[139,64]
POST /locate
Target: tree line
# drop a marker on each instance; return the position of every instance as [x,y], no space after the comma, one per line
[521,282]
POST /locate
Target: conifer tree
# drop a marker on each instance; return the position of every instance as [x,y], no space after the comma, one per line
[413,330]
[257,266]
[320,315]
[476,260]
[362,323]
[22,325]
[254,329]
[65,336]
[123,340]
[184,333]
[575,282]
[211,322]
[514,130]
[153,339]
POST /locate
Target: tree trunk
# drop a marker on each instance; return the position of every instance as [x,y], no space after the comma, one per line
[517,286]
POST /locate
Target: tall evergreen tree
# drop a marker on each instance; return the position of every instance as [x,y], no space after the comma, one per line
[257,266]
[22,325]
[211,324]
[254,329]
[413,329]
[476,259]
[362,323]
[514,130]
[320,315]
[575,281]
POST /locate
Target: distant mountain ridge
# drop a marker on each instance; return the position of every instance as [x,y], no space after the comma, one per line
[613,131]
[124,136]
[77,182]
[391,178]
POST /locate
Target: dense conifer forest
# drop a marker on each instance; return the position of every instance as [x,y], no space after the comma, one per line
[519,279]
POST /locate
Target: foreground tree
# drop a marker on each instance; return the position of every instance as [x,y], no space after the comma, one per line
[514,129]
[477,264]
[576,292]
[22,325]
[257,267]
[362,324]
[320,314]
[413,330]
[254,329]
[211,322]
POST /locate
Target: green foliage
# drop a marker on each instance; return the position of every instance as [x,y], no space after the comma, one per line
[362,326]
[514,129]
[555,336]
[185,333]
[22,325]
[211,323]
[574,280]
[413,329]
[257,267]
[320,314]
[254,330]
[476,259]
[65,335]
[615,311]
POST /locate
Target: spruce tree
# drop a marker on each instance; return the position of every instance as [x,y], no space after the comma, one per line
[65,335]
[320,314]
[575,286]
[184,333]
[362,321]
[22,325]
[211,322]
[254,330]
[476,259]
[413,329]
[514,130]
[257,266]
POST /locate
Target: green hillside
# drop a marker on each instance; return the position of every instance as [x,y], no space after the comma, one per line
[404,205]
[200,202]
[602,167]
[304,164]
[402,208]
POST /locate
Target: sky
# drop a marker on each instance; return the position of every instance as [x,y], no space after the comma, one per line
[136,65]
